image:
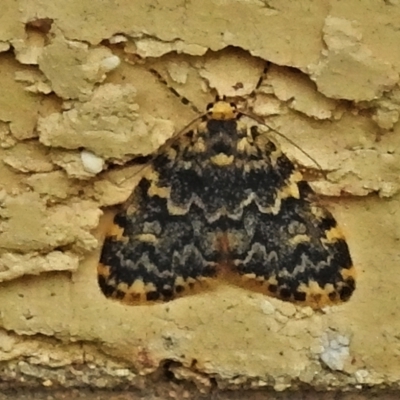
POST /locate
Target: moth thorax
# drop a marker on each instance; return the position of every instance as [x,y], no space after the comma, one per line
[221,140]
[222,110]
[221,145]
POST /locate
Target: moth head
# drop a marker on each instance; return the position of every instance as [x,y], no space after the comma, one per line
[221,109]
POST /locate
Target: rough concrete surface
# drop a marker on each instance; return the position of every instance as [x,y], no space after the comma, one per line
[78,103]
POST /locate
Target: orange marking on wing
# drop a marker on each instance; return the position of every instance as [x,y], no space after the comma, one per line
[117,232]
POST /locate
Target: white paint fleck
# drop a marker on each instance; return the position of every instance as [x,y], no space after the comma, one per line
[121,372]
[361,375]
[118,39]
[91,163]
[110,63]
[267,308]
[335,350]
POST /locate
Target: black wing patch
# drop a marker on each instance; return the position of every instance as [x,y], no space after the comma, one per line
[224,201]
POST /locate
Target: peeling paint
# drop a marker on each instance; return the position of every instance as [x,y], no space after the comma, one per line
[78,102]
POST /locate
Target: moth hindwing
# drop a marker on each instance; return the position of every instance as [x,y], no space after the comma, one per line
[223,201]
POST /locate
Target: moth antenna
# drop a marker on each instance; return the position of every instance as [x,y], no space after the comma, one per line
[261,121]
[261,79]
[184,100]
[293,143]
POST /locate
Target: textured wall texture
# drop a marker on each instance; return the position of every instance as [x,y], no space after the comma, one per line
[78,103]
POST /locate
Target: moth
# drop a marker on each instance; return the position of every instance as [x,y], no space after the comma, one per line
[223,201]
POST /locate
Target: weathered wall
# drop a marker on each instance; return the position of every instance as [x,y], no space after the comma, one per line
[77,97]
